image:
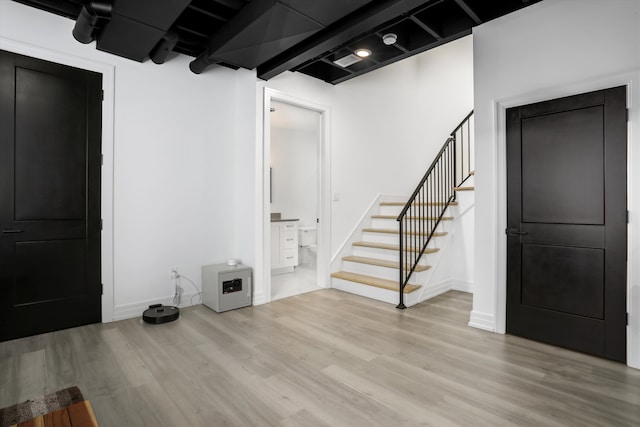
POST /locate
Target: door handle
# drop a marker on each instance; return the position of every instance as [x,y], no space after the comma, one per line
[514,232]
[12,231]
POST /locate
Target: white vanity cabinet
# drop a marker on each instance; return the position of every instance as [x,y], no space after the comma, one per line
[284,245]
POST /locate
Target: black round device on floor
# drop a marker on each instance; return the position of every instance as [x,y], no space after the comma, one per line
[158,313]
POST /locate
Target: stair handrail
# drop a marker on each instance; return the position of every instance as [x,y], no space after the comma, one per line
[427,205]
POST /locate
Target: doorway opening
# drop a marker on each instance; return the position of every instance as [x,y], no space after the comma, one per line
[295,137]
[295,196]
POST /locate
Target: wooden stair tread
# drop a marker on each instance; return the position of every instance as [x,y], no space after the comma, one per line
[382,263]
[464,188]
[374,281]
[419,204]
[444,218]
[392,231]
[392,247]
[472,173]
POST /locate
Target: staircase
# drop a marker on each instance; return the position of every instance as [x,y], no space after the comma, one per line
[372,267]
[398,242]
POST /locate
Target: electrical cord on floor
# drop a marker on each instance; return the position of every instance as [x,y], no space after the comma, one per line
[177,296]
[199,292]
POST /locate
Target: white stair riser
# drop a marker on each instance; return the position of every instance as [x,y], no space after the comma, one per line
[372,292]
[433,244]
[445,226]
[388,238]
[390,210]
[375,253]
[384,254]
[395,210]
[390,224]
[381,272]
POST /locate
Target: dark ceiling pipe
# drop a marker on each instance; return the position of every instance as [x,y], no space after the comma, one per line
[245,18]
[91,19]
[201,63]
[161,51]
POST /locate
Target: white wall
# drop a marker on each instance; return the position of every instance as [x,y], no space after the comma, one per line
[552,49]
[294,162]
[247,206]
[168,183]
[463,259]
[388,125]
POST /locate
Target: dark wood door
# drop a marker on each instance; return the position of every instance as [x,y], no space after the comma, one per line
[567,226]
[50,139]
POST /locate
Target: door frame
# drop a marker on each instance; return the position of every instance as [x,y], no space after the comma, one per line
[631,81]
[324,193]
[106,193]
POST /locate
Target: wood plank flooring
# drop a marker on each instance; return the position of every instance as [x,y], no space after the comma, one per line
[325,358]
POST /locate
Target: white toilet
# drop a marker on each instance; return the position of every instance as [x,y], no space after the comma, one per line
[307,235]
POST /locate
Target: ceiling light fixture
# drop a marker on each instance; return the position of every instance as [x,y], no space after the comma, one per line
[363,53]
[389,39]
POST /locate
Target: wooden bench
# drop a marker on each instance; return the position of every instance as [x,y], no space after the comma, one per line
[77,415]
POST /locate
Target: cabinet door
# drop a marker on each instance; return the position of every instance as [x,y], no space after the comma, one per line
[289,239]
[289,226]
[290,257]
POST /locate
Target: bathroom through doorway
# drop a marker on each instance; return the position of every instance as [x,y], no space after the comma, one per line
[294,198]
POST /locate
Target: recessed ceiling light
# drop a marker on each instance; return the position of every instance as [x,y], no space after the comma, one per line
[363,53]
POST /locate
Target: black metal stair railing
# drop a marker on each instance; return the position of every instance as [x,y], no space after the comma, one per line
[427,205]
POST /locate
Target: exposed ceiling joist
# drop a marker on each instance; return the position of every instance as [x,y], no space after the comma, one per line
[66,8]
[370,16]
[464,6]
[314,37]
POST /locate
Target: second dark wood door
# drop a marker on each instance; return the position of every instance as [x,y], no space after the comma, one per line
[567,233]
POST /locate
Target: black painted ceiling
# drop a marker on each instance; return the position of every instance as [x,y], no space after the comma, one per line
[273,36]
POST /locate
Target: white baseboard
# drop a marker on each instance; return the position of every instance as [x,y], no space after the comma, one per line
[129,311]
[462,286]
[482,321]
[259,298]
[433,290]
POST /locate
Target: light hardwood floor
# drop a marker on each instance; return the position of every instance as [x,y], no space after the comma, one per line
[324,358]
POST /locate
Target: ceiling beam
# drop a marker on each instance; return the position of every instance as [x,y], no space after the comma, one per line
[208,13]
[354,25]
[467,9]
[425,27]
[194,32]
[232,4]
[68,9]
